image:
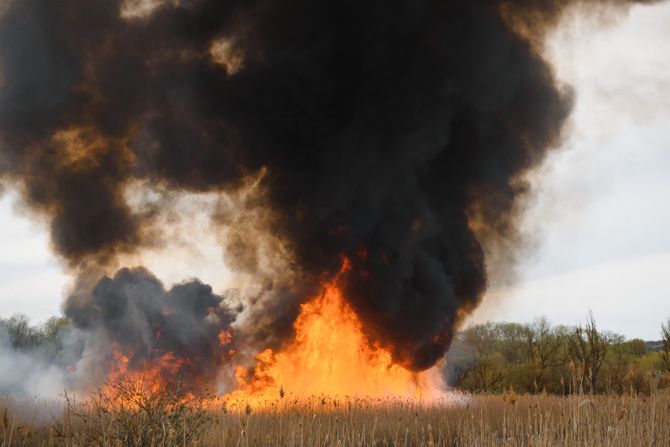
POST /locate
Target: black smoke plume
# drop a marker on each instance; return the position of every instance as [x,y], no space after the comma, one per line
[394,133]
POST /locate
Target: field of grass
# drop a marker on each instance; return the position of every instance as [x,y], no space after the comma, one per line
[507,420]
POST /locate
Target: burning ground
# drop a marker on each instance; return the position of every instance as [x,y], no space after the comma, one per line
[365,159]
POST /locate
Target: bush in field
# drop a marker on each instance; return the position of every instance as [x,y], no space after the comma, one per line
[130,413]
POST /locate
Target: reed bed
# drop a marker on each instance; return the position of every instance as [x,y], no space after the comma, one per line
[483,420]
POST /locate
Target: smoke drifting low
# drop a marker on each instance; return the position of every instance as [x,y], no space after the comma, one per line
[136,318]
[395,134]
[125,323]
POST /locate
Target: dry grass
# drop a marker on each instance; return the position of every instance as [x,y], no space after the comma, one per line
[508,420]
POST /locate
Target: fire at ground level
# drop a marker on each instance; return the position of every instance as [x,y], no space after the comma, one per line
[329,357]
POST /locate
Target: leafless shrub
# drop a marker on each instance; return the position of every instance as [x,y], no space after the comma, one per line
[133,413]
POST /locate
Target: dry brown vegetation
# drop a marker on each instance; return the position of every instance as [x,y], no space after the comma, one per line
[501,420]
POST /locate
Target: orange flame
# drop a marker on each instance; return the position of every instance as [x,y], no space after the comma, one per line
[331,356]
[152,378]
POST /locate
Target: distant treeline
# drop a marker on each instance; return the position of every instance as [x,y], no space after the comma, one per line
[540,357]
[490,358]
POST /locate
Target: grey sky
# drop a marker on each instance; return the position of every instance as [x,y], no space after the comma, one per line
[600,218]
[602,212]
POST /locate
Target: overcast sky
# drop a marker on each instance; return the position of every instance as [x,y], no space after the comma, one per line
[601,217]
[600,220]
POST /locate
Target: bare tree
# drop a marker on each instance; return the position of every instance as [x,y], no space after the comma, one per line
[547,344]
[587,348]
[484,374]
[665,348]
[21,334]
[513,346]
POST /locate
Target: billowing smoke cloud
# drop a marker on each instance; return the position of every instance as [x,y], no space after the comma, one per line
[123,324]
[188,328]
[395,134]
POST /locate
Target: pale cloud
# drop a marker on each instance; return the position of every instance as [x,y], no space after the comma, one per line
[31,279]
[629,296]
[602,212]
